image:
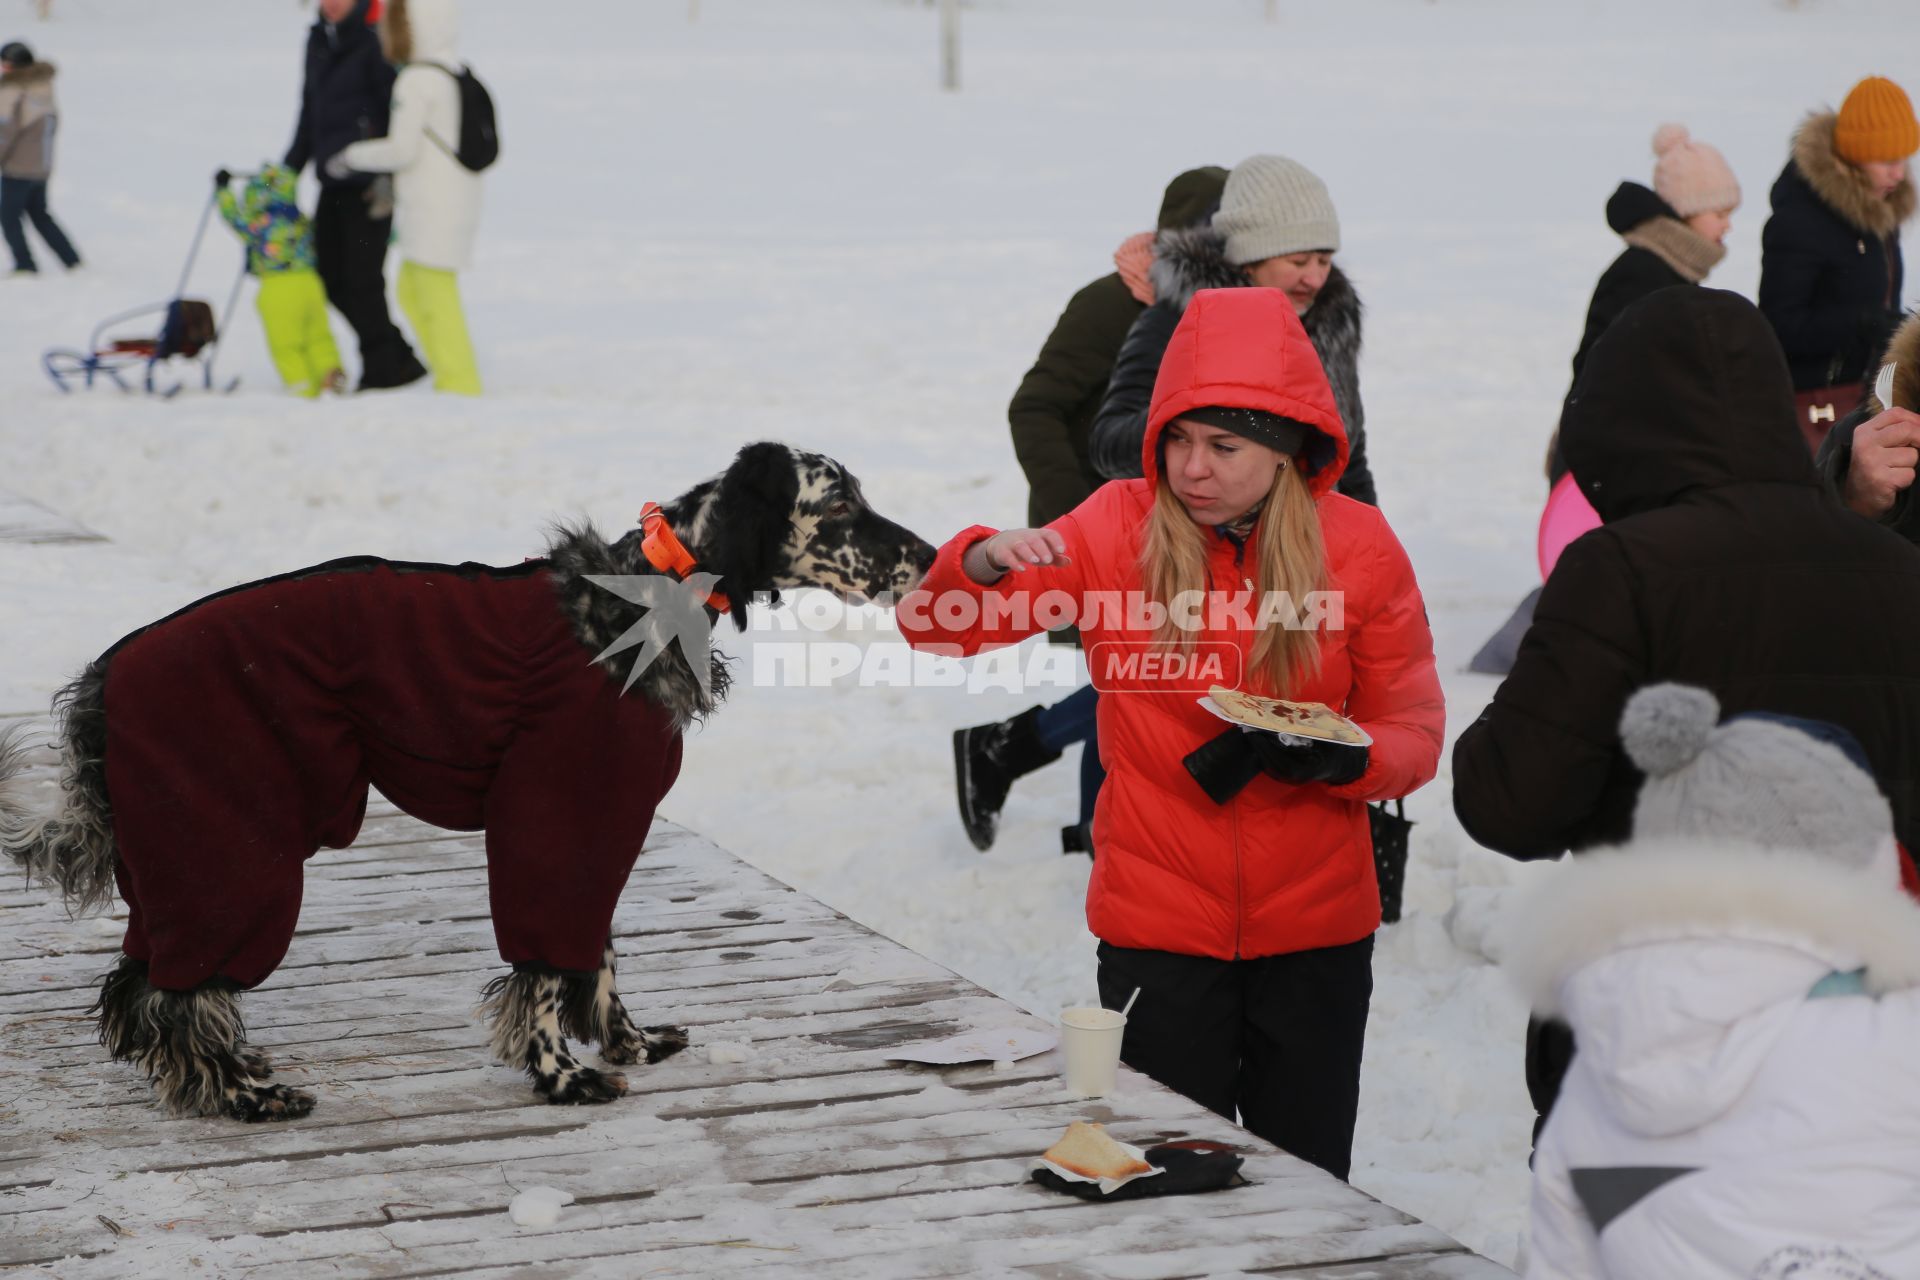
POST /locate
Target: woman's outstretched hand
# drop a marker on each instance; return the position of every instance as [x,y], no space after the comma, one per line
[1016,551]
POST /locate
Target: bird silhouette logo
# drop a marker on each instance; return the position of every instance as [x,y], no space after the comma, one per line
[676,613]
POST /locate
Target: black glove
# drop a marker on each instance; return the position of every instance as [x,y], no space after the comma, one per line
[221,178]
[1224,765]
[1333,763]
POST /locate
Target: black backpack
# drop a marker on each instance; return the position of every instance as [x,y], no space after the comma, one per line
[479,133]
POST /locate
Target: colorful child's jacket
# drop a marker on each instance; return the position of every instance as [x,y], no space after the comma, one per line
[267,216]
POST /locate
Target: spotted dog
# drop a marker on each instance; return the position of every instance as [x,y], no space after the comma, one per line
[209,754]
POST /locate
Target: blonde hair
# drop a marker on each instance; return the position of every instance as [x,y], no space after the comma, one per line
[1288,555]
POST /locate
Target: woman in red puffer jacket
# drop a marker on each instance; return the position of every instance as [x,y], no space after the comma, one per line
[1234,881]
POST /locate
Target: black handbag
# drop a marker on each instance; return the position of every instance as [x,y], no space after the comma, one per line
[1391,836]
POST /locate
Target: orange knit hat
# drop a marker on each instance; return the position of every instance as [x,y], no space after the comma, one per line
[1876,124]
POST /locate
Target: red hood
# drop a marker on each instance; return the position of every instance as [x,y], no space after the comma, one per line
[1246,349]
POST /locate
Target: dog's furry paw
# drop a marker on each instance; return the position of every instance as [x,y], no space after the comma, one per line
[255,1063]
[255,1103]
[582,1086]
[663,1042]
[625,1052]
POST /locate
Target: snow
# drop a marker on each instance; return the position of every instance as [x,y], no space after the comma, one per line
[769,223]
[538,1206]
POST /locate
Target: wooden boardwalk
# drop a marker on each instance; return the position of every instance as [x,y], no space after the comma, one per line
[781,1144]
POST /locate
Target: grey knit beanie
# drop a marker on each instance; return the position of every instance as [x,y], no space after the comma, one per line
[1770,780]
[1274,206]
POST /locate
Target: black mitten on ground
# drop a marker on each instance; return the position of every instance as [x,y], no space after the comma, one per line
[1190,1167]
[1333,763]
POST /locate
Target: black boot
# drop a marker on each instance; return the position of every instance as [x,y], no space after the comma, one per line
[986,760]
[1077,838]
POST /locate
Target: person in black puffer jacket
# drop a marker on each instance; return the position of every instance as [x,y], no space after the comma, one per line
[345,98]
[1723,562]
[1276,228]
[1830,263]
[1674,235]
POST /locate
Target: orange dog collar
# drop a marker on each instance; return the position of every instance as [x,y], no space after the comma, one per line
[666,553]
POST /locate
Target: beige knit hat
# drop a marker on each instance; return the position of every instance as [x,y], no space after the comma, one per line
[1274,206]
[1691,176]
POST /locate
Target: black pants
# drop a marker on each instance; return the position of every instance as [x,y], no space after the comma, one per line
[25,200]
[1549,1057]
[350,251]
[1274,1042]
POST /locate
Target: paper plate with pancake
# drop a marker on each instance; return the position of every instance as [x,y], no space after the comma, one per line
[1304,721]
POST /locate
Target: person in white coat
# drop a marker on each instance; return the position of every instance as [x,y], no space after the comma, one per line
[1743,980]
[436,199]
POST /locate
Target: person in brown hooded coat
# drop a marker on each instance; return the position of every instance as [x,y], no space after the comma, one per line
[28,117]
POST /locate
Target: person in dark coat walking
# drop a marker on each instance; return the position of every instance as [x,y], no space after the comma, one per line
[1276,228]
[1830,263]
[1723,562]
[345,99]
[1674,234]
[1051,417]
[1870,458]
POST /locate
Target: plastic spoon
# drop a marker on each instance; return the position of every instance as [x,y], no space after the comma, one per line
[1128,1007]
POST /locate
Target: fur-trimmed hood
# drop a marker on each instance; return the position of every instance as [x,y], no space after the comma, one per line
[27,77]
[1651,891]
[1903,352]
[1681,964]
[1188,260]
[1842,187]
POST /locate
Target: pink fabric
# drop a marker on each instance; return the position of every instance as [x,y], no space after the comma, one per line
[1568,514]
[1133,259]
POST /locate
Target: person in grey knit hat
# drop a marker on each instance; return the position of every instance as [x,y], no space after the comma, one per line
[1276,228]
[1743,979]
[1280,225]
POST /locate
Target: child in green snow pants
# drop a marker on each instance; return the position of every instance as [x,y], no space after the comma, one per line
[292,302]
[431,299]
[293,310]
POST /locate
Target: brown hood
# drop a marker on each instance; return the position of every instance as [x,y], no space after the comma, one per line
[1903,352]
[1841,186]
[31,74]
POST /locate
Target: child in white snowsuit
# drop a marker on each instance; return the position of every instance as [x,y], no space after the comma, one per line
[1743,981]
[292,301]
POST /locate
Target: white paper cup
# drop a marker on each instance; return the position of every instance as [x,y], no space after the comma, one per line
[1090,1043]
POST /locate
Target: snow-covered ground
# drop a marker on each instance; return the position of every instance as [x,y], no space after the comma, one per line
[769,222]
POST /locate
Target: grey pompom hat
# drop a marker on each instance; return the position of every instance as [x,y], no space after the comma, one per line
[1764,779]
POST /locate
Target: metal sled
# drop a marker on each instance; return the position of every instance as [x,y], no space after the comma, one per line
[130,359]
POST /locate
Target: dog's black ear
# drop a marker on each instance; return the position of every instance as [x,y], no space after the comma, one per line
[753,513]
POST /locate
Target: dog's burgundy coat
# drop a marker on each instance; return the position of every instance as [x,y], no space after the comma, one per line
[244,730]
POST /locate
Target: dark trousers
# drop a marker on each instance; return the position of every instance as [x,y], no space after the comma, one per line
[1549,1056]
[1071,720]
[350,251]
[1276,1041]
[25,200]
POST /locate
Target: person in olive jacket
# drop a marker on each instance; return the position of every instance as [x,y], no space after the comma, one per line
[1051,417]
[1052,412]
[1674,234]
[1276,228]
[1718,565]
[345,99]
[1830,263]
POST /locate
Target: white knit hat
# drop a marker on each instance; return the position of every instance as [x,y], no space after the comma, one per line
[1770,780]
[1691,176]
[1274,206]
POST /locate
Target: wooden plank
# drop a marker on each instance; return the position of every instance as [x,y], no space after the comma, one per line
[811,1155]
